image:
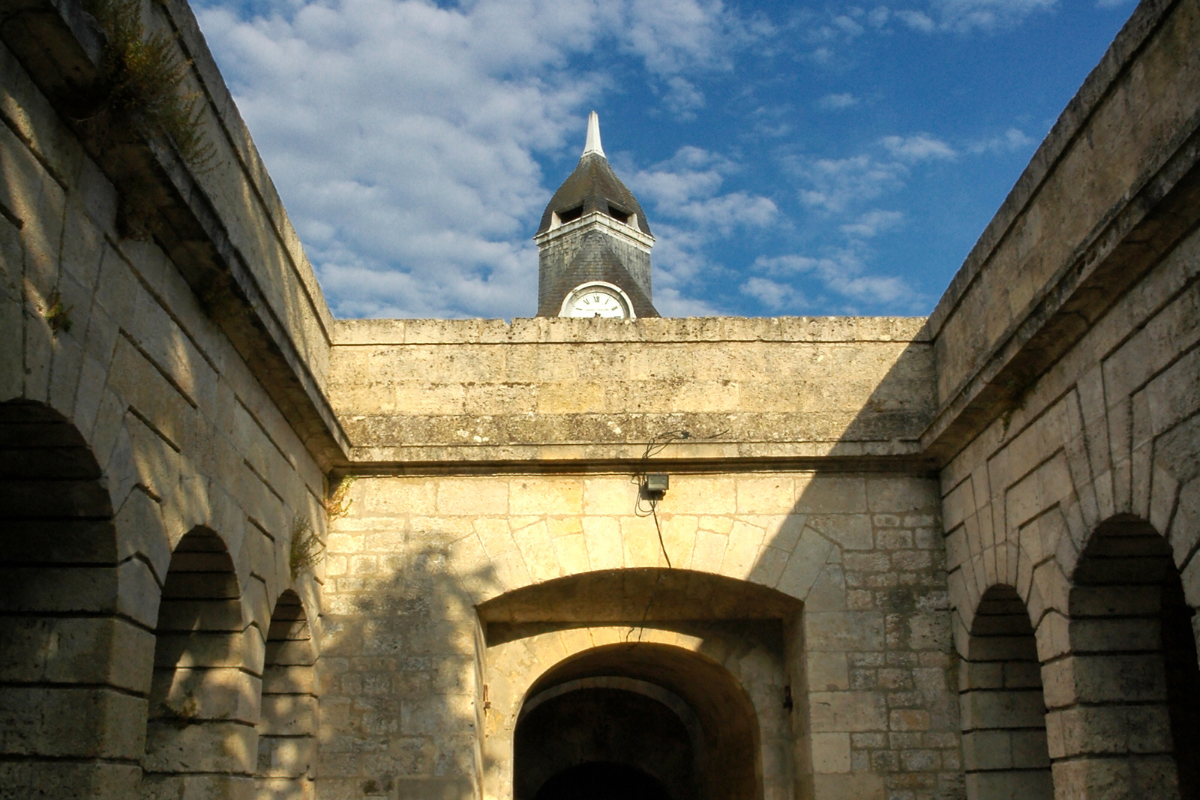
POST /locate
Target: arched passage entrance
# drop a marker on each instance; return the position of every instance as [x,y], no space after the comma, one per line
[1003,713]
[1126,700]
[74,663]
[637,720]
[602,781]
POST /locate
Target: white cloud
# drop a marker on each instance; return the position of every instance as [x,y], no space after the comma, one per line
[840,273]
[775,295]
[873,223]
[692,213]
[403,135]
[963,16]
[683,98]
[921,147]
[837,102]
[917,20]
[685,188]
[836,184]
[1011,140]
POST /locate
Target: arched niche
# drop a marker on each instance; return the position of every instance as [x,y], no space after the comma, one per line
[287,727]
[669,713]
[1125,699]
[1002,710]
[204,700]
[74,664]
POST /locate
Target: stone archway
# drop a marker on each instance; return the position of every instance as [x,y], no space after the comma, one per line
[74,662]
[704,662]
[1003,713]
[1125,701]
[638,717]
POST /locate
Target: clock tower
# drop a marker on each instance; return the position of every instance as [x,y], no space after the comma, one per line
[594,244]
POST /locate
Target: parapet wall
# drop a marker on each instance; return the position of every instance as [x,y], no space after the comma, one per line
[1109,192]
[425,392]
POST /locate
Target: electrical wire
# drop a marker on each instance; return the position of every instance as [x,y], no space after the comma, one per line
[646,505]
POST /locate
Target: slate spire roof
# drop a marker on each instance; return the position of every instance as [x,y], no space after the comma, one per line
[593,186]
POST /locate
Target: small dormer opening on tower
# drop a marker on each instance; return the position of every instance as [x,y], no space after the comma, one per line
[571,215]
[618,214]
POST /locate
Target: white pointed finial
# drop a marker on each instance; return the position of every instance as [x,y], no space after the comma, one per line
[592,145]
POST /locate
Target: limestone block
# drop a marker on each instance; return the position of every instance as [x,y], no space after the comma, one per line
[828,592]
[853,786]
[571,553]
[69,722]
[39,350]
[768,565]
[537,550]
[1029,749]
[290,757]
[700,495]
[987,750]
[64,373]
[773,495]
[197,787]
[83,589]
[639,539]
[679,537]
[831,495]
[984,710]
[289,680]
[849,531]
[743,546]
[91,650]
[95,780]
[1116,779]
[709,551]
[288,715]
[831,753]
[804,564]
[472,497]
[605,546]
[828,672]
[204,746]
[210,693]
[1104,678]
[848,711]
[545,497]
[300,788]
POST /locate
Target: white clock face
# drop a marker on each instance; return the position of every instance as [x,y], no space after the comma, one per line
[596,303]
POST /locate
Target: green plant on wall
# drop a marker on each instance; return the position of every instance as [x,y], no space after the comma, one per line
[306,549]
[144,77]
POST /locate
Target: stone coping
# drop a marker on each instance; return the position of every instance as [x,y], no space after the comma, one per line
[565,330]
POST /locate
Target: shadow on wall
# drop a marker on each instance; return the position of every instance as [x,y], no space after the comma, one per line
[401,687]
[874,669]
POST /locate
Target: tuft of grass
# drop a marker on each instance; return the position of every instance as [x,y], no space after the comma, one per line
[58,315]
[307,548]
[339,501]
[144,77]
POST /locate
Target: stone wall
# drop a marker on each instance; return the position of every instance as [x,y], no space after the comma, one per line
[152,484]
[1069,419]
[450,391]
[857,557]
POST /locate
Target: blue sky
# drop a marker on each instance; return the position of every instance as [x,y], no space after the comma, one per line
[793,159]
